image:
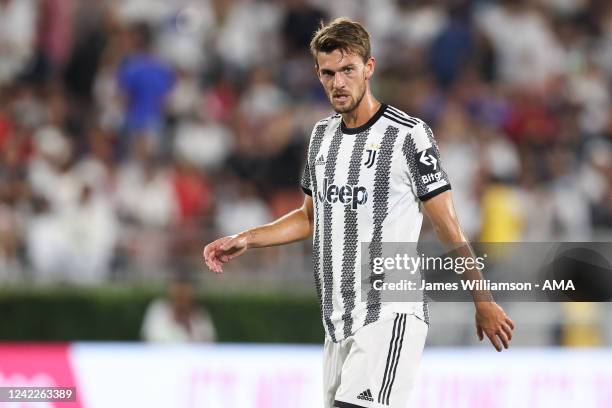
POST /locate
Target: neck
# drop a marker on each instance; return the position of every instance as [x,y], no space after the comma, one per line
[362,112]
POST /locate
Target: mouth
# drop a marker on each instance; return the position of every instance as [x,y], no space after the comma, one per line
[340,98]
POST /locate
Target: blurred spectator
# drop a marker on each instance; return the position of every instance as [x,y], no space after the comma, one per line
[193,192]
[301,20]
[145,81]
[72,234]
[177,319]
[55,36]
[144,192]
[596,181]
[241,209]
[92,21]
[417,23]
[571,204]
[456,139]
[452,48]
[263,98]
[501,214]
[147,204]
[187,33]
[581,325]
[528,59]
[249,34]
[205,144]
[17,37]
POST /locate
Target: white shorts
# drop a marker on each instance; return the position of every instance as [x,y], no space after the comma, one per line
[377,366]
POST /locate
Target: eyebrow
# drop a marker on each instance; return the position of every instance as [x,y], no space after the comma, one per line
[331,71]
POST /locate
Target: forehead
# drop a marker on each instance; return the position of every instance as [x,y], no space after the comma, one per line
[337,59]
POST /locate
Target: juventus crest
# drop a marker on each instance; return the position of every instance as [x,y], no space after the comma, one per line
[371,158]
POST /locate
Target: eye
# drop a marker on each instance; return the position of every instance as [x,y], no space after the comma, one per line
[348,70]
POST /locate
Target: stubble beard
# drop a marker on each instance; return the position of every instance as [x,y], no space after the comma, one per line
[352,106]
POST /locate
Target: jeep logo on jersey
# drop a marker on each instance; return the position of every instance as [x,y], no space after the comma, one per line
[347,194]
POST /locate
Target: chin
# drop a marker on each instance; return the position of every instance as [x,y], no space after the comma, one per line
[343,108]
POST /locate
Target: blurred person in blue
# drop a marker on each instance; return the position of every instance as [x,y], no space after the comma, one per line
[146,82]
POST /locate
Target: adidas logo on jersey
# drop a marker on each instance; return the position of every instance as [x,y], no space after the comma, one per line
[366,395]
[347,194]
[320,161]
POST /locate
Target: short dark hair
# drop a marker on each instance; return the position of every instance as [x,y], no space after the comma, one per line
[143,33]
[341,34]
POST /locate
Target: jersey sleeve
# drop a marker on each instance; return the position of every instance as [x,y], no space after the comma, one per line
[314,145]
[306,182]
[424,164]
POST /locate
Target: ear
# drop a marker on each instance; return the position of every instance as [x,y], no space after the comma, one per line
[370,65]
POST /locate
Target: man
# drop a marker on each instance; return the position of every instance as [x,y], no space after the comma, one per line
[145,82]
[177,318]
[365,182]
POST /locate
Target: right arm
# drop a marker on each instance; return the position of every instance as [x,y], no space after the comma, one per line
[292,227]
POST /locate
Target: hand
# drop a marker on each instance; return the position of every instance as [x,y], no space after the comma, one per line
[223,250]
[493,321]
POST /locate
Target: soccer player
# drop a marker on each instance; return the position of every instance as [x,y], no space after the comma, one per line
[371,172]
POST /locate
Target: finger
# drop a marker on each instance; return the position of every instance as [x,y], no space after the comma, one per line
[209,255]
[509,322]
[211,266]
[207,251]
[219,262]
[479,332]
[207,261]
[504,339]
[213,263]
[213,256]
[495,341]
[217,267]
[213,247]
[508,331]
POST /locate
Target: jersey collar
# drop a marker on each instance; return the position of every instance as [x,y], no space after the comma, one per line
[365,126]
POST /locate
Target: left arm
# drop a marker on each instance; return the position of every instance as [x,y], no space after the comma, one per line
[490,317]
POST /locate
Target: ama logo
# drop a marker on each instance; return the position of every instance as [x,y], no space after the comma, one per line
[347,194]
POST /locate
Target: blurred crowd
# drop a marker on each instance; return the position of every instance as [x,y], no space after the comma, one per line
[134,131]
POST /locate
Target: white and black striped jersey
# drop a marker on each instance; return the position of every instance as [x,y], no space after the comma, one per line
[366,184]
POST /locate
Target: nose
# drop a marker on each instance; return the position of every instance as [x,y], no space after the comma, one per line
[338,80]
